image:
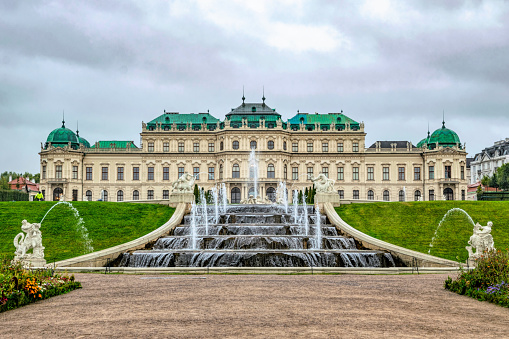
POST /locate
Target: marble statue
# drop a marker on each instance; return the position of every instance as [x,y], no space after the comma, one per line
[184,184]
[481,241]
[32,240]
[323,184]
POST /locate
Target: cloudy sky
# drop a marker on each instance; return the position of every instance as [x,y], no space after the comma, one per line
[396,65]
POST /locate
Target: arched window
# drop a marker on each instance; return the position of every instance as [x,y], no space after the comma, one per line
[235,195]
[221,145]
[285,172]
[120,196]
[386,196]
[401,195]
[417,195]
[270,144]
[284,145]
[236,171]
[253,109]
[371,195]
[89,195]
[271,172]
[57,194]
[136,195]
[235,144]
[221,171]
[271,194]
[252,144]
[448,194]
[104,195]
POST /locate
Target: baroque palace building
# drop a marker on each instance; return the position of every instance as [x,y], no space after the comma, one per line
[218,152]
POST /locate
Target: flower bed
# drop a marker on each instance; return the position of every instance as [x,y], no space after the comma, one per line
[489,281]
[20,286]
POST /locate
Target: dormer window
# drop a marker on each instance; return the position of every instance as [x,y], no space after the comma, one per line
[151,128]
[253,109]
[166,128]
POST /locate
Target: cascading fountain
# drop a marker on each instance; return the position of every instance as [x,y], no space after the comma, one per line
[282,195]
[224,197]
[295,206]
[216,204]
[255,235]
[253,171]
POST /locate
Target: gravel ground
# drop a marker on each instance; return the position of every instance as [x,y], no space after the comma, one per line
[268,306]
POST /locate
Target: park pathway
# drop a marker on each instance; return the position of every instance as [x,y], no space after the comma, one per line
[266,306]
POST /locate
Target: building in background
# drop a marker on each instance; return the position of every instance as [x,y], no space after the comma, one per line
[489,160]
[216,152]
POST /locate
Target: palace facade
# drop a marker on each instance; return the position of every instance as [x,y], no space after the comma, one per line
[218,152]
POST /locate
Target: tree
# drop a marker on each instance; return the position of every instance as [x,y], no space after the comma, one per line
[306,195]
[503,177]
[485,181]
[196,193]
[300,198]
[493,182]
[479,192]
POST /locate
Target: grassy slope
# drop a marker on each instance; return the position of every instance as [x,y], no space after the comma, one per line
[412,224]
[108,224]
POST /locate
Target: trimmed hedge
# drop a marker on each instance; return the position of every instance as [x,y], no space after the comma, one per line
[13,195]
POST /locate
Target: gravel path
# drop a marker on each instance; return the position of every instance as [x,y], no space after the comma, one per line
[269,306]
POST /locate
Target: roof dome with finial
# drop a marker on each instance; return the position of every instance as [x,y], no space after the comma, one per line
[81,140]
[61,137]
[443,137]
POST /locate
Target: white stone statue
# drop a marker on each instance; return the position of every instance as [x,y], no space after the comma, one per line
[184,184]
[32,240]
[481,241]
[323,184]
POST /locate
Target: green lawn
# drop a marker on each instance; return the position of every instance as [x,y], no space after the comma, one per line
[108,224]
[412,224]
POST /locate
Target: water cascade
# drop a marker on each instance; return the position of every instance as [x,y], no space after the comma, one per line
[282,195]
[79,226]
[204,211]
[224,197]
[256,235]
[295,206]
[253,171]
[449,212]
[216,204]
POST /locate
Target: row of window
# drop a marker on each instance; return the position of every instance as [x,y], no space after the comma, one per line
[448,195]
[120,195]
[252,145]
[270,172]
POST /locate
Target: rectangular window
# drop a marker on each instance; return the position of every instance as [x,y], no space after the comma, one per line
[211,147]
[355,173]
[58,171]
[401,173]
[462,194]
[89,173]
[150,194]
[341,173]
[151,147]
[431,172]
[166,173]
[325,147]
[181,147]
[310,173]
[44,172]
[325,171]
[136,173]
[196,173]
[75,172]
[74,195]
[448,172]
[417,173]
[310,147]
[463,173]
[431,195]
[371,173]
[166,194]
[385,173]
[150,173]
[211,173]
[356,194]
[355,147]
[295,173]
[285,172]
[104,172]
[120,173]
[341,194]
[295,147]
[181,171]
[196,147]
[166,147]
[340,147]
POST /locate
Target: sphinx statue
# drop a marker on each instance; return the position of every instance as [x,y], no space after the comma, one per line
[184,184]
[323,184]
[31,240]
[481,241]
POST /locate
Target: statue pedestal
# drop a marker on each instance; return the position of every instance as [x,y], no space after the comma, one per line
[177,198]
[332,197]
[34,262]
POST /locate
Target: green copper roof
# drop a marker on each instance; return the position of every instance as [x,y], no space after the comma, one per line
[61,137]
[444,137]
[167,119]
[84,142]
[114,144]
[322,119]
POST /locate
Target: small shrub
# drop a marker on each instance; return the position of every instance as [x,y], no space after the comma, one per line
[487,281]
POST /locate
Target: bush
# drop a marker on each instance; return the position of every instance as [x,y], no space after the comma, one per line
[20,286]
[13,195]
[488,281]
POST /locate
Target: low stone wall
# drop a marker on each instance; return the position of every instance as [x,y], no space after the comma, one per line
[408,257]
[100,258]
